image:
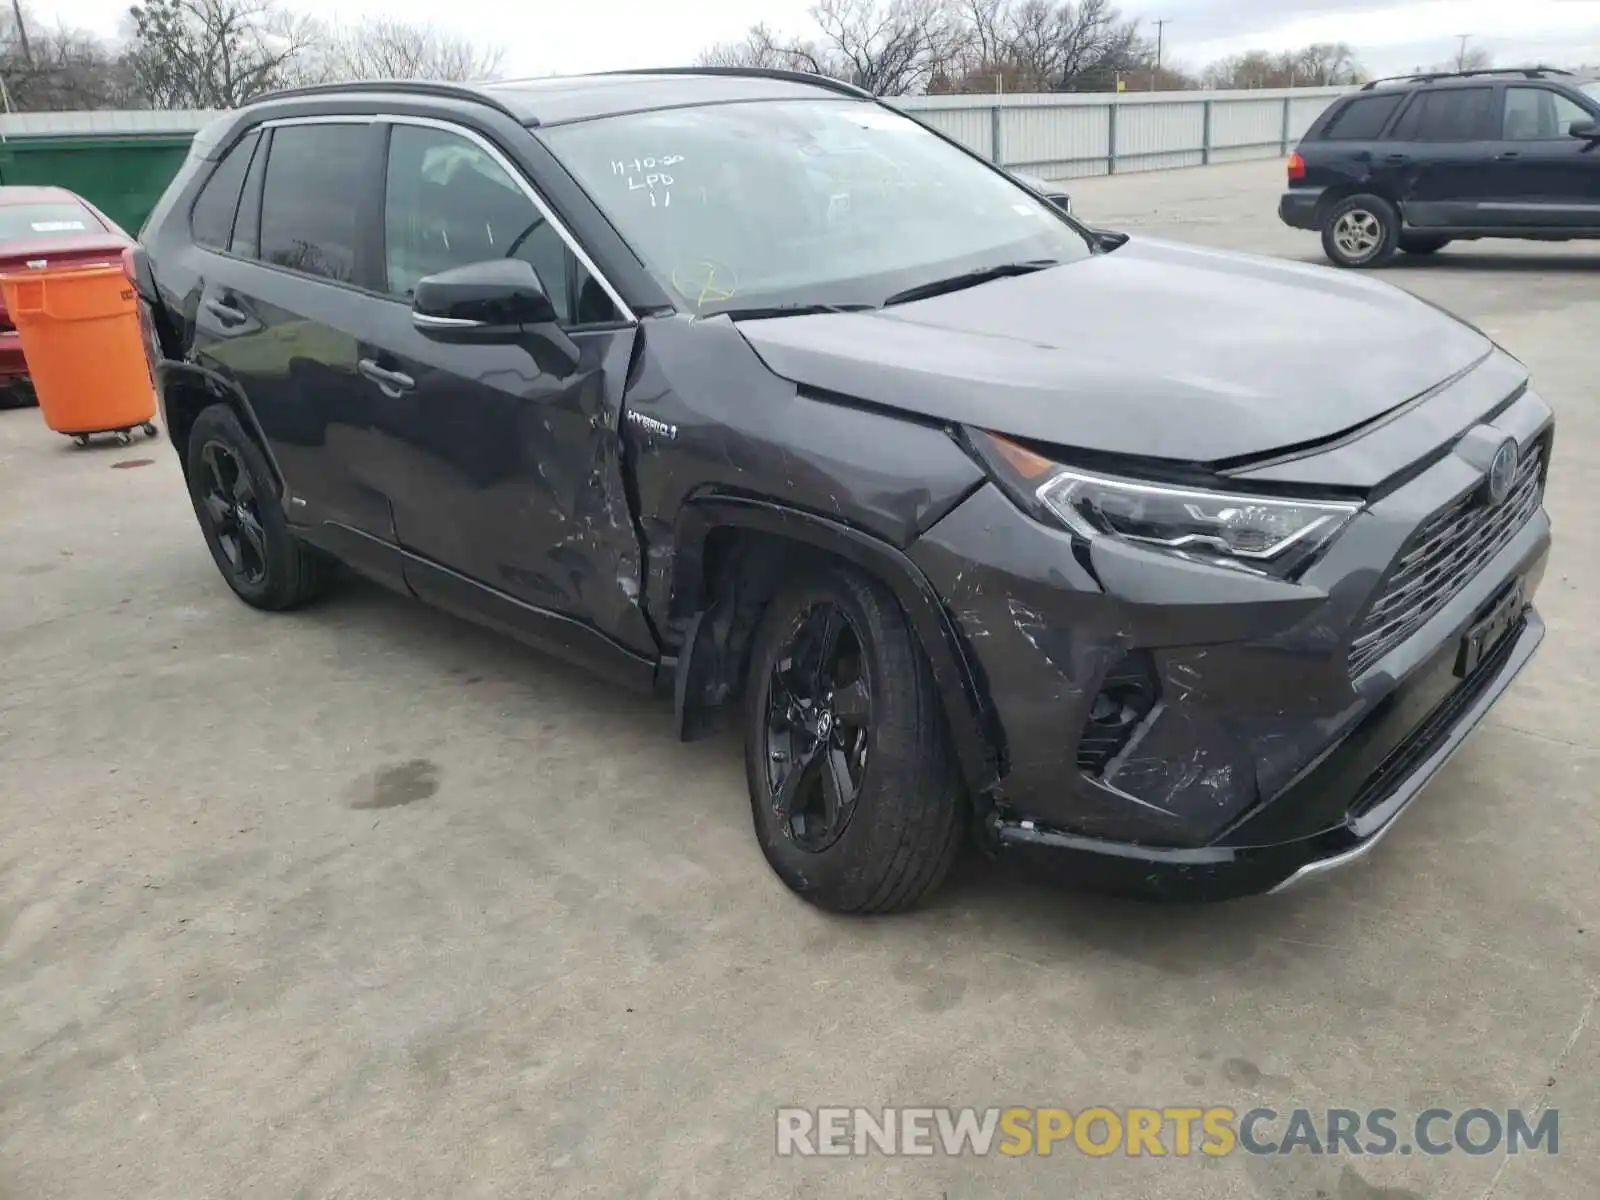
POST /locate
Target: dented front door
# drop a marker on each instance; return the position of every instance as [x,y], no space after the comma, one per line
[507,469]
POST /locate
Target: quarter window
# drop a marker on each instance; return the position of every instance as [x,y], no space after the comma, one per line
[212,219]
[311,199]
[1362,120]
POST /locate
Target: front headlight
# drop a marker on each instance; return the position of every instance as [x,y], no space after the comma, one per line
[1265,532]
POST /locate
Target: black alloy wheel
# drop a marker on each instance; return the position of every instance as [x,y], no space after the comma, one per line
[857,802]
[235,496]
[230,506]
[818,727]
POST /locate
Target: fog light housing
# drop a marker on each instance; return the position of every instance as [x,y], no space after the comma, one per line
[1126,697]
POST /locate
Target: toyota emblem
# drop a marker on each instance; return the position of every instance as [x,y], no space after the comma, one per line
[1502,473]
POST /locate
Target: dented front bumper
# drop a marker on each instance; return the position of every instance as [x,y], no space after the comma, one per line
[1262,748]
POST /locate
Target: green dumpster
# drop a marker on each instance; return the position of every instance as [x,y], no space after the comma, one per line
[123,175]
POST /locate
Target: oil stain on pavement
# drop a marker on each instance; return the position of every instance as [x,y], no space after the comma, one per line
[395,785]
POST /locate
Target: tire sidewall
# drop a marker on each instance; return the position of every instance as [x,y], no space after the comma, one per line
[1387,218]
[840,873]
[220,424]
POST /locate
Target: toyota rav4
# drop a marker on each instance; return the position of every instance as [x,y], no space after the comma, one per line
[1173,568]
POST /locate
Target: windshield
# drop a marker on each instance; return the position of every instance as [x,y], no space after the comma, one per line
[41,220]
[803,202]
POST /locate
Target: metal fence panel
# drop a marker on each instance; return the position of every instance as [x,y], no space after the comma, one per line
[1067,135]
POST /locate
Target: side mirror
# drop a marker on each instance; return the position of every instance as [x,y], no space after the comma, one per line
[493,301]
[1588,130]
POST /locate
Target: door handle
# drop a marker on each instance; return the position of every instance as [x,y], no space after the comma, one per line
[226,312]
[1394,158]
[391,383]
[1504,154]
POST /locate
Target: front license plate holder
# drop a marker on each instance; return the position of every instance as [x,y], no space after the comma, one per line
[1489,629]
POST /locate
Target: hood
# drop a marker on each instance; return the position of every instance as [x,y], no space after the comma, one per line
[1157,350]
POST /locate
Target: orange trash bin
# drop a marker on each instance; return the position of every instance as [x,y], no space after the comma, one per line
[84,341]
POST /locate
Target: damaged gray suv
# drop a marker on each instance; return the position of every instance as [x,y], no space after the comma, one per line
[1173,569]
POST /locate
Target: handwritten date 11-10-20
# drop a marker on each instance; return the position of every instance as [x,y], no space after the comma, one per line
[647,175]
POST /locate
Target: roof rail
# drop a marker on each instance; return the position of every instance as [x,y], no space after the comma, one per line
[827,82]
[1431,76]
[415,87]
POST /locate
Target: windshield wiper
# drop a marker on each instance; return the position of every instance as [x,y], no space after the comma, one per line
[761,312]
[966,279]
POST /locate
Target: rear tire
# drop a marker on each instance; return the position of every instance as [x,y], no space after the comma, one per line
[235,498]
[1361,231]
[871,818]
[18,393]
[1411,243]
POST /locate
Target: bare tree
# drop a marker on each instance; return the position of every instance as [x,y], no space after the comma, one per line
[386,48]
[1469,58]
[761,47]
[1324,64]
[888,47]
[58,68]
[214,53]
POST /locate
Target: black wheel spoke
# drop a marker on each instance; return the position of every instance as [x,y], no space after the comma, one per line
[802,773]
[252,543]
[219,484]
[784,701]
[853,705]
[218,509]
[242,488]
[838,789]
[824,628]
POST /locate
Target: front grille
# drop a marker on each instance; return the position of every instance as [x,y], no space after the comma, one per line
[1442,558]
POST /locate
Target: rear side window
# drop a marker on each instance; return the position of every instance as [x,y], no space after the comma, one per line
[1449,115]
[1363,119]
[211,222]
[310,200]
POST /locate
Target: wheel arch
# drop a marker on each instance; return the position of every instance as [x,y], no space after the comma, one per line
[187,390]
[1336,193]
[733,553]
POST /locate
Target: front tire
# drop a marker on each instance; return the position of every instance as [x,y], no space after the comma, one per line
[856,800]
[235,500]
[1361,231]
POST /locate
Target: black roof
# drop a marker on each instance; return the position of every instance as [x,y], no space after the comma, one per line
[556,99]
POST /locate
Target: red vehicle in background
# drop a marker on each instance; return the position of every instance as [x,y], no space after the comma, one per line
[48,227]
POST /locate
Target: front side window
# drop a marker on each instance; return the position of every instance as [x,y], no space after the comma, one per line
[1538,114]
[803,202]
[45,220]
[448,202]
[309,201]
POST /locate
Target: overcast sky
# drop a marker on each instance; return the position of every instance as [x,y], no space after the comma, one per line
[587,35]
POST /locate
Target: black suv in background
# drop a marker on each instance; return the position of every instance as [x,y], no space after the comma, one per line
[1414,163]
[747,387]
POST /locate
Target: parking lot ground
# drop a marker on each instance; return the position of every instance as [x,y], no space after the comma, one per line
[363,902]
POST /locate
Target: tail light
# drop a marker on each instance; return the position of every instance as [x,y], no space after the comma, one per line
[129,267]
[1297,167]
